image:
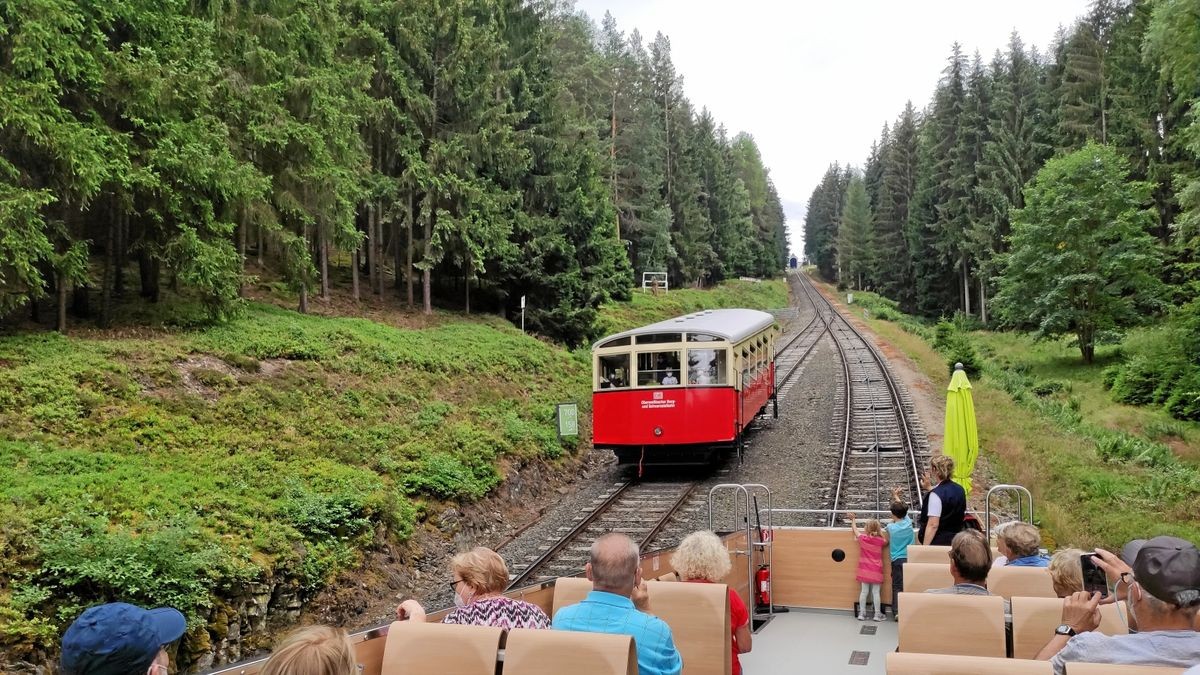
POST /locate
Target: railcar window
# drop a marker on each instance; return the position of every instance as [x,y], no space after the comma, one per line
[658,368]
[618,342]
[614,371]
[703,337]
[707,366]
[659,338]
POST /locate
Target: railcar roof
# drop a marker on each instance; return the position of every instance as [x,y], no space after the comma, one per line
[733,325]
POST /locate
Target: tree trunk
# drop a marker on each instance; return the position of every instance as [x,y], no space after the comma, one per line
[122,222]
[241,246]
[612,158]
[983,317]
[35,308]
[304,297]
[323,243]
[408,264]
[397,254]
[370,244]
[381,250]
[60,324]
[148,269]
[261,245]
[354,273]
[1087,345]
[81,301]
[427,272]
[110,255]
[966,285]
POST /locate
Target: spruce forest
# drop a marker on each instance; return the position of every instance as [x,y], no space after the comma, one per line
[459,152]
[964,205]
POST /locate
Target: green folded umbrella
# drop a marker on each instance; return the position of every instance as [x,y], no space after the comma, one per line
[961,438]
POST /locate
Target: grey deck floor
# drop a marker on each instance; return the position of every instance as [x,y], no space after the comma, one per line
[816,641]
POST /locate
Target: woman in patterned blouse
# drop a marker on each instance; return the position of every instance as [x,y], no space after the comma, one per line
[478,578]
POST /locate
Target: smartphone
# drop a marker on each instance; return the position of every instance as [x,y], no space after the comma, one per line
[1094,579]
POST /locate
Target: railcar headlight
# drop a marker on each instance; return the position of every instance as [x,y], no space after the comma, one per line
[658,431]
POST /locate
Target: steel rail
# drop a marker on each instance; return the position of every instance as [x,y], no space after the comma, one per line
[893,393]
[579,528]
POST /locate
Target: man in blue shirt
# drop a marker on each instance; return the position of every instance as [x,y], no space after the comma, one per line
[615,571]
[899,534]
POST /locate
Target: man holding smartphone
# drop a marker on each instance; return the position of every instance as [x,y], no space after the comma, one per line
[1160,581]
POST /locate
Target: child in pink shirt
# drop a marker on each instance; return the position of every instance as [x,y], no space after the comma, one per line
[870,564]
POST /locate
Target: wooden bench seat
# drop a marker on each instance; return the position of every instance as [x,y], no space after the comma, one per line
[551,652]
[698,615]
[1026,582]
[420,648]
[899,663]
[975,623]
[1034,621]
[921,577]
[1115,669]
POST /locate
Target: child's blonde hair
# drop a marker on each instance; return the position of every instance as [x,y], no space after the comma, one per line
[314,650]
[873,528]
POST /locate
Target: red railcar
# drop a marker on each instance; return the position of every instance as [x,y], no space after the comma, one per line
[682,390]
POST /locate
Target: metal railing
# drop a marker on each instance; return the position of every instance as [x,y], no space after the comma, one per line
[742,496]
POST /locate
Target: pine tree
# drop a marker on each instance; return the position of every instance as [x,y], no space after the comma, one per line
[890,247]
[853,234]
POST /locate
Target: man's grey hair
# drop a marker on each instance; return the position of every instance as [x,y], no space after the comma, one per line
[1163,608]
[614,559]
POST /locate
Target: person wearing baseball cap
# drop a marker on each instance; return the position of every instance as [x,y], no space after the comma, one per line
[121,639]
[1159,579]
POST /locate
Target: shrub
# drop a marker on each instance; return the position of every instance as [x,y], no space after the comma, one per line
[1184,401]
[445,476]
[1045,388]
[957,348]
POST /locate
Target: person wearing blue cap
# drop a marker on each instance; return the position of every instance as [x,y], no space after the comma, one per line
[121,639]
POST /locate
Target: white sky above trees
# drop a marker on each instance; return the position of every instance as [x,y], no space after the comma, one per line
[815,81]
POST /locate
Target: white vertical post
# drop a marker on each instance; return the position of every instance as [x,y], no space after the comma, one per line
[522,314]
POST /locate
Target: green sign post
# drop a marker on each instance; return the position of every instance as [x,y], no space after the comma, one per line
[568,419]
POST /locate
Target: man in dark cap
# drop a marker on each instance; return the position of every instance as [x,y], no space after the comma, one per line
[1160,580]
[121,639]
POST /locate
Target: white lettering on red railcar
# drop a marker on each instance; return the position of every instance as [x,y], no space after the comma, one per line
[657,402]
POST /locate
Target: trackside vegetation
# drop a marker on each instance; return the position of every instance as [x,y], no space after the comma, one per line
[170,468]
[177,466]
[1102,472]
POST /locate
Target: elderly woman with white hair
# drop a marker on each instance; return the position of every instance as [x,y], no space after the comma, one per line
[702,558]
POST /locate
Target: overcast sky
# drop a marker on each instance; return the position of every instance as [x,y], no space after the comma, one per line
[815,81]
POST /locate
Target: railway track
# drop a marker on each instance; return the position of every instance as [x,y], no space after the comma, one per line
[638,509]
[880,444]
[796,350]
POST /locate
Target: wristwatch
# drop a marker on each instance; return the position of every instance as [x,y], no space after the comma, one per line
[1065,630]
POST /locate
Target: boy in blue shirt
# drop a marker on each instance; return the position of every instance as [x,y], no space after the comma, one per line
[898,534]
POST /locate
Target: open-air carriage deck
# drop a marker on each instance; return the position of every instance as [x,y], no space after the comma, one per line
[809,628]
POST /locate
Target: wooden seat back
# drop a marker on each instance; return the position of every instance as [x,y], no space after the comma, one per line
[928,554]
[698,615]
[921,577]
[1034,621]
[569,591]
[899,663]
[420,648]
[942,623]
[669,576]
[1080,668]
[1026,582]
[551,652]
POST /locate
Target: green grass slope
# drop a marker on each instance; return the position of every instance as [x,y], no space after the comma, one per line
[165,468]
[172,467]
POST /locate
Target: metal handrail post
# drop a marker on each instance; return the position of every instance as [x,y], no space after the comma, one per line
[1022,493]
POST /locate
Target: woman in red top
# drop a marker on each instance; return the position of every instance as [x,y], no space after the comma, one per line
[870,564]
[702,558]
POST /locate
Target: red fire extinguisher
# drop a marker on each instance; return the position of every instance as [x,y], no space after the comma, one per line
[762,586]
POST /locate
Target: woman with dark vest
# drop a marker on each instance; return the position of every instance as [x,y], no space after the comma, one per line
[944,507]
